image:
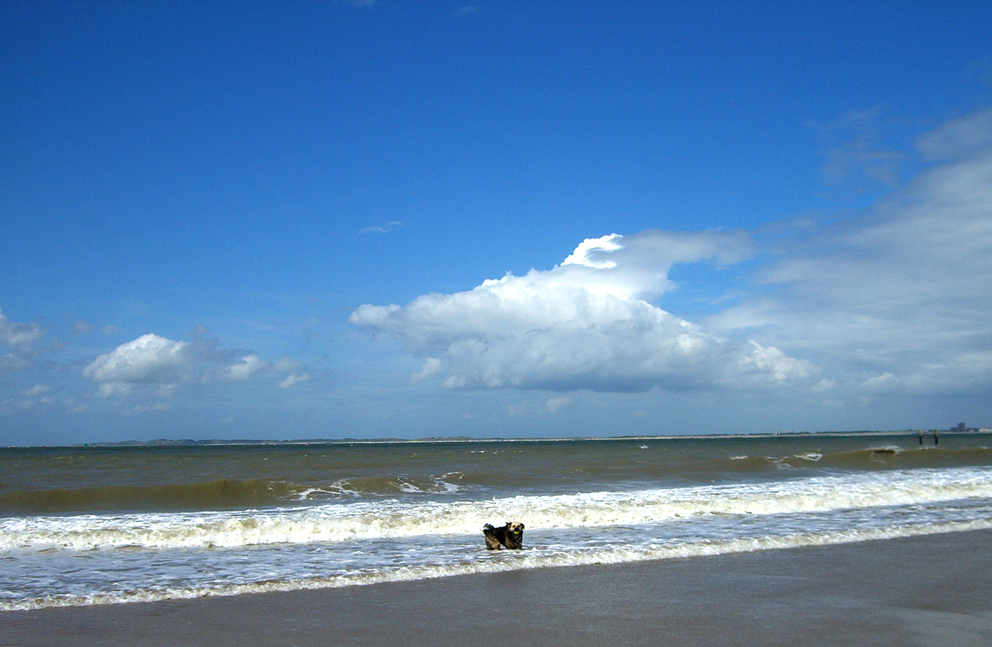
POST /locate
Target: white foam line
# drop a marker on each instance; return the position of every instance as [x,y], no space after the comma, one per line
[523,560]
[395,519]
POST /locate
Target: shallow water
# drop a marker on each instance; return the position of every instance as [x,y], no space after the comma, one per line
[107,525]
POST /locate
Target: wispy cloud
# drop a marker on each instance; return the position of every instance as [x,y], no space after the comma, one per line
[37,389]
[958,137]
[382,229]
[897,302]
[858,155]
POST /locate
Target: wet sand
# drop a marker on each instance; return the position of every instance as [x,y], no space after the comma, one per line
[934,590]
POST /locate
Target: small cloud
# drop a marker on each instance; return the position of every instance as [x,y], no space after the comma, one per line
[382,229]
[881,383]
[516,410]
[158,406]
[21,336]
[109,329]
[294,378]
[432,366]
[824,385]
[248,366]
[82,327]
[37,389]
[468,10]
[554,404]
[12,363]
[287,364]
[113,390]
[774,361]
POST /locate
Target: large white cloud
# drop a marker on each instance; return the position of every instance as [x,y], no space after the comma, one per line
[589,323]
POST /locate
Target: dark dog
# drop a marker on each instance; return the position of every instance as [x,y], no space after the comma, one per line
[511,535]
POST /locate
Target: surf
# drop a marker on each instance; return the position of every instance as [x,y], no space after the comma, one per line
[396,518]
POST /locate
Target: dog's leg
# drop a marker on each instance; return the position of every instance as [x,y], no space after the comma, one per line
[492,543]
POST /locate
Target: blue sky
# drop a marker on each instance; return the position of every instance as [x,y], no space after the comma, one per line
[397,219]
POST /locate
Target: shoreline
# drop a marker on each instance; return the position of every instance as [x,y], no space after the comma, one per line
[931,589]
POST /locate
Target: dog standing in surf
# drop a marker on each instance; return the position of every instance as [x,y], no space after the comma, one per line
[511,536]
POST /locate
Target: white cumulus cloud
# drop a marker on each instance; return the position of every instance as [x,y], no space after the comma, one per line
[160,366]
[778,363]
[589,323]
[147,359]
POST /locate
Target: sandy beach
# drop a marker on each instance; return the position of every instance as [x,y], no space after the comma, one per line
[931,590]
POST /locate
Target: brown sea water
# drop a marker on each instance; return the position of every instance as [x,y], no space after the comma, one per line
[204,477]
[97,525]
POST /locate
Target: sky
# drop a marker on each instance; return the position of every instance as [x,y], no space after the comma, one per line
[371,219]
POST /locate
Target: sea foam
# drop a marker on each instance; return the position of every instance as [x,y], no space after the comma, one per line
[394,518]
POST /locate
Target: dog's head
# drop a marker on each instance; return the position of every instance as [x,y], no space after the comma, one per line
[515,528]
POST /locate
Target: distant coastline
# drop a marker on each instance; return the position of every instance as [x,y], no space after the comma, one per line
[218,442]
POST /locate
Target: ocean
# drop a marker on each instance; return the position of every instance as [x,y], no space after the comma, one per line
[108,525]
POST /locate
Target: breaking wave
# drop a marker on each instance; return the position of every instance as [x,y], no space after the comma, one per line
[213,495]
[393,518]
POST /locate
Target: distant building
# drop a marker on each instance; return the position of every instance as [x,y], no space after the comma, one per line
[963,428]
